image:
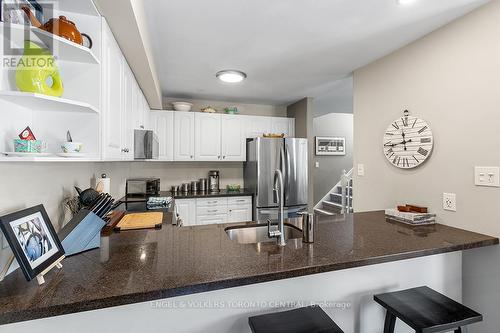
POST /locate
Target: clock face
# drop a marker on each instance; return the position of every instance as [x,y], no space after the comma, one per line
[408,142]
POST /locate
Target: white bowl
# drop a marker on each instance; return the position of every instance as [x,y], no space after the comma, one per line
[71,147]
[182,106]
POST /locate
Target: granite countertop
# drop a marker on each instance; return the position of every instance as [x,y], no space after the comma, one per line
[191,195]
[147,265]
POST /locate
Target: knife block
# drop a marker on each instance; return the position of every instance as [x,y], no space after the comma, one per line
[82,233]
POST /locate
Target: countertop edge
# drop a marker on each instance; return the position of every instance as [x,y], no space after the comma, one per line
[53,311]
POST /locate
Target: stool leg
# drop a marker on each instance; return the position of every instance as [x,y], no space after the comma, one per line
[458,330]
[390,322]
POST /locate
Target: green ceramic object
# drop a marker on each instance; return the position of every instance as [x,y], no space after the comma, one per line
[37,72]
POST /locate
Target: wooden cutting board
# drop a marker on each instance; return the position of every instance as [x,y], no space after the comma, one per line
[135,221]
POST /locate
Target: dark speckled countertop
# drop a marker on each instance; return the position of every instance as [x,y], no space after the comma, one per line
[154,264]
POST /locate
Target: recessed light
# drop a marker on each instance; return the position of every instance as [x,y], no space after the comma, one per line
[405,2]
[231,76]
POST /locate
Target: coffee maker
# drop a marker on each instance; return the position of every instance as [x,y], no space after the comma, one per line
[213,181]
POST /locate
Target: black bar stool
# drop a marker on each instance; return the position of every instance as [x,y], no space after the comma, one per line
[426,311]
[310,319]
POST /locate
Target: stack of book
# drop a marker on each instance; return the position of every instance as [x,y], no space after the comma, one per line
[410,217]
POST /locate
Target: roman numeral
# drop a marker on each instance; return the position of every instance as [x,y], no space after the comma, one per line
[416,159]
[406,160]
[405,121]
[390,152]
[395,160]
[395,125]
[387,133]
[414,123]
[425,140]
[420,131]
[422,151]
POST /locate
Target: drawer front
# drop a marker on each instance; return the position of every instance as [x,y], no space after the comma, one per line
[237,214]
[211,219]
[210,202]
[214,210]
[239,200]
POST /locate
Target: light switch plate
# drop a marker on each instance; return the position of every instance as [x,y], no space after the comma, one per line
[317,164]
[487,176]
[361,169]
[450,202]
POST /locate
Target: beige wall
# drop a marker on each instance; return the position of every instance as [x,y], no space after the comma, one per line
[243,108]
[451,78]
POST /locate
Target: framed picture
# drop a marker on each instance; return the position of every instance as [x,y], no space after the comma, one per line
[32,239]
[330,146]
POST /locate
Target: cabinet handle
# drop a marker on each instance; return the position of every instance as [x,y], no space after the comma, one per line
[224,157]
[192,156]
[125,150]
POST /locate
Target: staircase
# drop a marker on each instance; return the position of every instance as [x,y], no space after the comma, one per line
[339,199]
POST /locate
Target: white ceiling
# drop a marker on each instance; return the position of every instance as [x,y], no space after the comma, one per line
[288,48]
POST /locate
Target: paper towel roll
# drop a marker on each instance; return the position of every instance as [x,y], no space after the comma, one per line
[103,185]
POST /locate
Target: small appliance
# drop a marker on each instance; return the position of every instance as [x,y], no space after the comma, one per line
[213,181]
[142,186]
[146,145]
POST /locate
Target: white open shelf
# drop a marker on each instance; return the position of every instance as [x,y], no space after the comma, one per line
[54,158]
[40,102]
[63,48]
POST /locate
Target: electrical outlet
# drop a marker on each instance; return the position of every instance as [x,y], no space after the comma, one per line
[361,169]
[450,202]
[317,164]
[487,176]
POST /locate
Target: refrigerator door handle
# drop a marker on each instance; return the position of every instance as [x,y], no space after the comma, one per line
[287,175]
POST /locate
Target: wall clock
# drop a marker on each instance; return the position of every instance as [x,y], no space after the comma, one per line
[408,142]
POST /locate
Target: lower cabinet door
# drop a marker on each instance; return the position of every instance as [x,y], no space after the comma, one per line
[186,209]
[211,219]
[239,214]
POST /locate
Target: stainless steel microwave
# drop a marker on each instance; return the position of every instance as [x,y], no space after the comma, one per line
[146,145]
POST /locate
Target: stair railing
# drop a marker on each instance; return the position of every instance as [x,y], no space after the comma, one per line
[346,183]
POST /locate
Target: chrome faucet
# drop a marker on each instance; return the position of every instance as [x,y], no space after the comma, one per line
[279,198]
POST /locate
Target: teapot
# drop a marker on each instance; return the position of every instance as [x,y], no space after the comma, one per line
[60,26]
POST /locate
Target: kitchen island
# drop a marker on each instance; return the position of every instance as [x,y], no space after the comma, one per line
[178,276]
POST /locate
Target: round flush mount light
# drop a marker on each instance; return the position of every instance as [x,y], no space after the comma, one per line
[405,2]
[231,76]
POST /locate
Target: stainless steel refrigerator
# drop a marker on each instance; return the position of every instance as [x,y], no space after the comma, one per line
[264,156]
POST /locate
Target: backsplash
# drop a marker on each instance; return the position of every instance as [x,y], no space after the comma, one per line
[28,184]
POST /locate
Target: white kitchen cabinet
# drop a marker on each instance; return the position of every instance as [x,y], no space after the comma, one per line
[236,214]
[130,107]
[186,210]
[257,126]
[113,111]
[282,125]
[184,136]
[233,138]
[211,219]
[208,137]
[162,123]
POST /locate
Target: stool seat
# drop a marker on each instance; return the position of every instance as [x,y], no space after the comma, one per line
[310,319]
[426,311]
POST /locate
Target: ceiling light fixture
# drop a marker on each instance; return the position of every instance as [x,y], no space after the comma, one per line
[231,76]
[405,2]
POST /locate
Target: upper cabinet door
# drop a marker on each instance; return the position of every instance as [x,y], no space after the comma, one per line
[208,137]
[130,110]
[113,115]
[184,136]
[162,123]
[257,126]
[233,138]
[281,126]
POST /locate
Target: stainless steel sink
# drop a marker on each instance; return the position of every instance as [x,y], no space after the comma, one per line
[258,234]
